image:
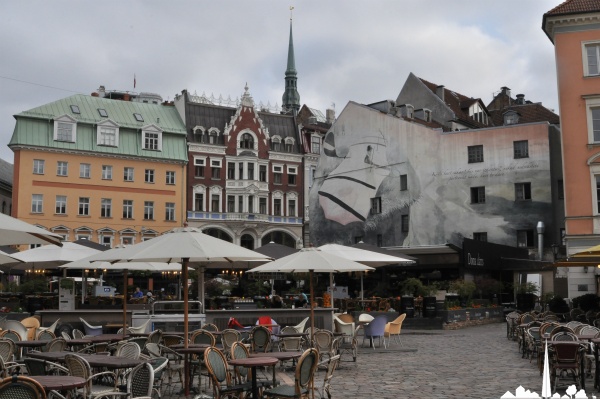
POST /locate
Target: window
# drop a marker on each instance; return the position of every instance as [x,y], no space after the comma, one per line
[241,171]
[262,172]
[215,203]
[127,241]
[525,238]
[62,168]
[128,174]
[213,137]
[198,202]
[358,239]
[482,236]
[560,189]
[151,141]
[311,176]
[262,206]
[511,118]
[230,203]
[240,204]
[106,208]
[475,153]
[403,182]
[127,209]
[250,204]
[199,164]
[582,287]
[380,240]
[149,175]
[289,146]
[277,207]
[247,141]
[315,145]
[106,172]
[65,131]
[106,240]
[477,195]
[102,112]
[75,109]
[250,171]
[375,205]
[84,206]
[231,170]
[85,170]
[291,207]
[521,149]
[37,203]
[598,192]
[591,62]
[138,117]
[148,210]
[215,168]
[107,135]
[170,211]
[38,166]
[275,144]
[292,176]
[170,177]
[595,113]
[404,223]
[522,191]
[61,204]
[277,174]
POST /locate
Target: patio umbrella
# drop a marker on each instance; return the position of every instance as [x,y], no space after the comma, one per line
[311,260]
[365,257]
[52,256]
[7,258]
[185,245]
[16,232]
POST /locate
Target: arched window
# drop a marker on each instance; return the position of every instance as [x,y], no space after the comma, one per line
[247,241]
[247,141]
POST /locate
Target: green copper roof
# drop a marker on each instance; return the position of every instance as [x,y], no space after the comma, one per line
[35,127]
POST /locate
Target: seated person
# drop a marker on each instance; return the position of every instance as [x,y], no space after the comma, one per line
[276,302]
[301,301]
[138,293]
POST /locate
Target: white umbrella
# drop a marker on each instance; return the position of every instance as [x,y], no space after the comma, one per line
[16,232]
[185,245]
[311,260]
[363,256]
[51,256]
[6,258]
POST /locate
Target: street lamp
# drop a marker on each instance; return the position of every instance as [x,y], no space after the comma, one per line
[555,249]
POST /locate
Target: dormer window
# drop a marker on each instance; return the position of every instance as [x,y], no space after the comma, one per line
[289,145]
[151,138]
[276,143]
[213,136]
[65,128]
[108,134]
[247,141]
[511,118]
[427,115]
[477,112]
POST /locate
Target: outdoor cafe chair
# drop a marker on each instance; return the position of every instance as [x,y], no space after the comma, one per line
[43,367]
[303,378]
[300,326]
[7,350]
[325,388]
[32,324]
[228,338]
[290,343]
[210,327]
[203,337]
[51,328]
[17,327]
[566,358]
[140,329]
[14,337]
[573,324]
[393,328]
[222,382]
[175,363]
[21,387]
[139,384]
[323,340]
[55,345]
[155,337]
[7,369]
[45,335]
[90,329]
[101,383]
[375,329]
[260,339]
[77,334]
[564,336]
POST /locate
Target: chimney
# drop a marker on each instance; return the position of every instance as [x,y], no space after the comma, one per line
[95,94]
[406,111]
[505,90]
[439,91]
[521,99]
[330,115]
[126,97]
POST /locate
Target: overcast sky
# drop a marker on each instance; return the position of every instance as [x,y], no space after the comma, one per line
[345,50]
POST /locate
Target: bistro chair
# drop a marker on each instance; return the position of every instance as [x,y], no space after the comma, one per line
[325,388]
[240,351]
[17,327]
[45,335]
[55,345]
[102,383]
[139,384]
[90,329]
[154,337]
[14,337]
[220,376]
[77,334]
[303,378]
[260,339]
[9,369]
[44,367]
[290,343]
[7,350]
[323,340]
[566,358]
[32,324]
[51,328]
[21,387]
[301,326]
[228,338]
[140,329]
[210,327]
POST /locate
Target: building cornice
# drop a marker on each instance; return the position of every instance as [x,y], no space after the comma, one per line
[206,148]
[571,23]
[285,157]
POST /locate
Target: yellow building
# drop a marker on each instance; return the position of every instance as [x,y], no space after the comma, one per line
[109,170]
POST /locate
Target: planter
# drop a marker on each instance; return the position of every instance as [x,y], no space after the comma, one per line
[408,306]
[429,303]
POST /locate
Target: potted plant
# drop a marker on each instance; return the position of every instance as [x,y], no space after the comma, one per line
[526,296]
[430,300]
[464,289]
[409,288]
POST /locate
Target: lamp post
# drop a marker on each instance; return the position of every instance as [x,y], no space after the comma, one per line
[540,230]
[555,248]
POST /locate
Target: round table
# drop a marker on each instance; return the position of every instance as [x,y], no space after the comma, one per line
[281,356]
[192,349]
[253,363]
[59,382]
[79,341]
[30,343]
[107,338]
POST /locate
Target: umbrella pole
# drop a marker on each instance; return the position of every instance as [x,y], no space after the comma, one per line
[312,306]
[184,277]
[124,302]
[331,288]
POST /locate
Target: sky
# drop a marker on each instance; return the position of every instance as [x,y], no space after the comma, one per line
[345,50]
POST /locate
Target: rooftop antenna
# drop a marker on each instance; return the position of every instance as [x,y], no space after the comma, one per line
[291,12]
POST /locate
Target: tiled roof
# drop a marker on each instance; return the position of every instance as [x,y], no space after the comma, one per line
[6,172]
[528,113]
[458,103]
[575,6]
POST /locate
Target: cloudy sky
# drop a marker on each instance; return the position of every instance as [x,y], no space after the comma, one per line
[345,49]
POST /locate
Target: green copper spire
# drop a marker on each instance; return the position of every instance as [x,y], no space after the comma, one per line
[291,98]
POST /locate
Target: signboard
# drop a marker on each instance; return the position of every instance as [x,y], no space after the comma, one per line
[266,276]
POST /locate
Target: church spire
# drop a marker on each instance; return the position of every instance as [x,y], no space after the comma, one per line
[291,98]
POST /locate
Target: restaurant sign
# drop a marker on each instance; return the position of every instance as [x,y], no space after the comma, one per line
[488,256]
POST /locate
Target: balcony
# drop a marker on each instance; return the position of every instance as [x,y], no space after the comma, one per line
[246,217]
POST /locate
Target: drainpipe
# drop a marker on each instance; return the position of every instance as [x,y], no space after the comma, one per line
[540,230]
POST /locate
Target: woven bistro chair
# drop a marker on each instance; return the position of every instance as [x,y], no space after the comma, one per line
[10,369]
[200,337]
[102,383]
[21,387]
[14,337]
[55,345]
[7,350]
[290,343]
[155,337]
[325,388]
[210,327]
[228,338]
[566,358]
[220,376]
[242,374]
[260,339]
[43,367]
[323,340]
[139,384]
[303,378]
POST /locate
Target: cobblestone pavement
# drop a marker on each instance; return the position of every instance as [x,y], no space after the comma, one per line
[475,362]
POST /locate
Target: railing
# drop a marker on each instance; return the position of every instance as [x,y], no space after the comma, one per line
[177,309]
[251,217]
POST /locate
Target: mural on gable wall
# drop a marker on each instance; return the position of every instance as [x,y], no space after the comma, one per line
[423,174]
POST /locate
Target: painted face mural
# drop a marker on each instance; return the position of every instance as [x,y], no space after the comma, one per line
[346,193]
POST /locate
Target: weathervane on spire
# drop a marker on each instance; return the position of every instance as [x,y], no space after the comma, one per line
[291,12]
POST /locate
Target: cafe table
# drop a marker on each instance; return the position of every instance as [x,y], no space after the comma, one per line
[191,349]
[59,382]
[281,356]
[109,362]
[253,363]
